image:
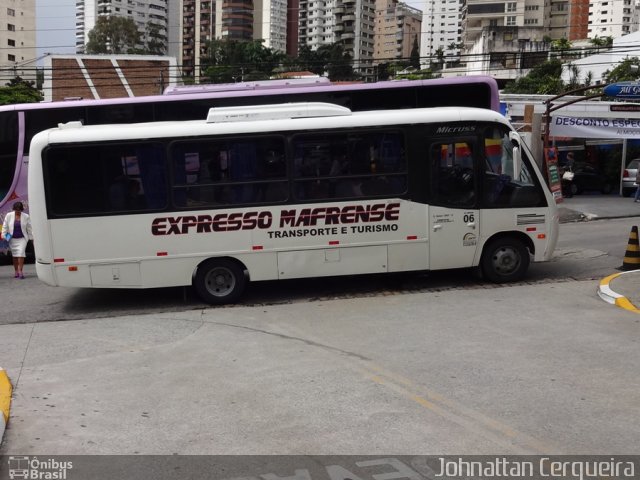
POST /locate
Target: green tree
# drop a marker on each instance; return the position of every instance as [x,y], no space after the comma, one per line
[309,60]
[339,63]
[229,61]
[414,57]
[606,42]
[627,70]
[19,91]
[562,47]
[542,79]
[574,77]
[113,35]
[439,57]
[156,42]
[330,60]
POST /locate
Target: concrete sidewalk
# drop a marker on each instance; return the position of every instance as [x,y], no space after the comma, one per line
[597,207]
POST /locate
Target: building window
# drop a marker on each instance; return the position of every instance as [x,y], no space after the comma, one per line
[511,6]
[511,21]
[12,58]
[11,43]
[11,12]
[11,27]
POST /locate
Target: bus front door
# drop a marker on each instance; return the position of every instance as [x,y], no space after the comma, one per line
[454,220]
[453,237]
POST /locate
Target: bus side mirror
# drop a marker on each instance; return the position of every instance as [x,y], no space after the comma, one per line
[517,154]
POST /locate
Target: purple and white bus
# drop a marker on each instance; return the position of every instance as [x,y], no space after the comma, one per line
[19,123]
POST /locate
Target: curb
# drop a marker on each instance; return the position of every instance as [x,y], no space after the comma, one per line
[5,401]
[609,296]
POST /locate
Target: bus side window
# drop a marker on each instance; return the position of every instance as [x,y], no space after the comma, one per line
[151,162]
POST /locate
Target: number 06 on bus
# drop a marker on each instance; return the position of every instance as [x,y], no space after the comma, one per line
[286,191]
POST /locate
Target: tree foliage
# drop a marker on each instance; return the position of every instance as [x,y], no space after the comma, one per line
[330,60]
[545,78]
[156,43]
[414,57]
[439,57]
[113,35]
[627,70]
[19,91]
[606,42]
[230,61]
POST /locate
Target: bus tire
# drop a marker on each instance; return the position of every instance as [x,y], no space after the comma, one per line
[220,280]
[505,259]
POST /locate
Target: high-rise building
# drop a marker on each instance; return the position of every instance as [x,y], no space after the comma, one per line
[151,18]
[613,18]
[441,29]
[270,23]
[197,22]
[18,39]
[349,22]
[397,28]
[479,16]
[205,20]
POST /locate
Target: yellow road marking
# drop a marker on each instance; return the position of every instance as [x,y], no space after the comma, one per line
[5,395]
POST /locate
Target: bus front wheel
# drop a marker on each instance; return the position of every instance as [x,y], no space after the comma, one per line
[505,259]
[220,281]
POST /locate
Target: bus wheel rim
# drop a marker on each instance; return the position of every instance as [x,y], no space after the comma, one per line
[220,281]
[506,260]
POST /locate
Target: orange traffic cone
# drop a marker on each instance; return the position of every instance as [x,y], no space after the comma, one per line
[632,255]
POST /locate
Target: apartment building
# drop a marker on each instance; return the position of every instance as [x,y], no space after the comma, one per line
[270,23]
[350,22]
[441,29]
[613,18]
[143,12]
[569,19]
[205,20]
[397,26]
[18,39]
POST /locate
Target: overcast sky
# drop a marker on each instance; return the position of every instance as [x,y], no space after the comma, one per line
[55,25]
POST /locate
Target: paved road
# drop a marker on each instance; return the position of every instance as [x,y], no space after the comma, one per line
[546,368]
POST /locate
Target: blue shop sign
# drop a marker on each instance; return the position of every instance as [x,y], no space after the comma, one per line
[623,90]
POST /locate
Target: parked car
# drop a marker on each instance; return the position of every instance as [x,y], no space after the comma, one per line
[629,177]
[587,178]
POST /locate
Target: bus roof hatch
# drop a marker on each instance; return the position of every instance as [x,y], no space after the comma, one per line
[274,112]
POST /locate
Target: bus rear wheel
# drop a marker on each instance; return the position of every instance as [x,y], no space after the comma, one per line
[220,281]
[505,260]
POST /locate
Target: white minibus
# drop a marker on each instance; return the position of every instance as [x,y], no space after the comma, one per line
[286,191]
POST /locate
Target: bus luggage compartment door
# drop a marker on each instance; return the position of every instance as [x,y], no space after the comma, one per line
[116,275]
[327,262]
